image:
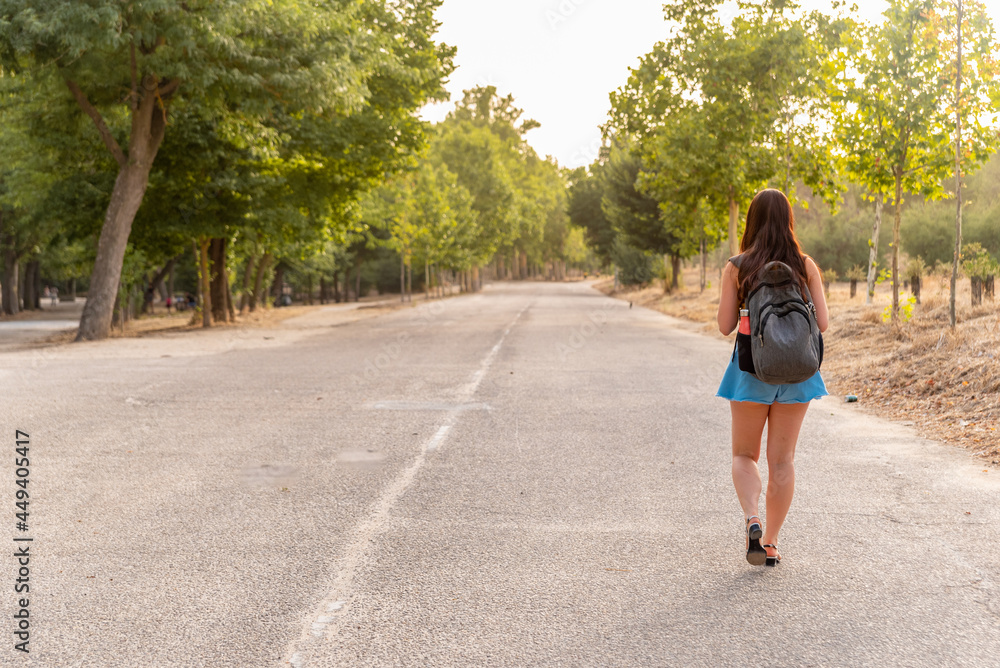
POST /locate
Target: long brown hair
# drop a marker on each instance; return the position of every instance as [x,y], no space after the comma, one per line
[769,235]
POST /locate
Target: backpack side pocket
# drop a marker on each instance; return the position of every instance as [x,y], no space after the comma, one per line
[745,357]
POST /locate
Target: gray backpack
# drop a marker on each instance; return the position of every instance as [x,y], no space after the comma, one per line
[784,344]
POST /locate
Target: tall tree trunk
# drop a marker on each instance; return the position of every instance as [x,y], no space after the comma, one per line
[32,300]
[988,286]
[258,281]
[873,248]
[703,270]
[11,276]
[734,212]
[897,216]
[156,282]
[162,288]
[957,256]
[148,126]
[38,284]
[203,282]
[427,279]
[247,283]
[402,277]
[117,313]
[667,280]
[675,269]
[915,287]
[278,289]
[219,279]
[229,303]
[357,281]
[336,287]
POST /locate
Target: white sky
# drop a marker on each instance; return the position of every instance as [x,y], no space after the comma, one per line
[561,59]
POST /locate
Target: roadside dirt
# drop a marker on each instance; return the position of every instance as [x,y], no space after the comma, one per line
[922,373]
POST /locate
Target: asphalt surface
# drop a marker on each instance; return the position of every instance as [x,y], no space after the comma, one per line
[535,475]
[34,326]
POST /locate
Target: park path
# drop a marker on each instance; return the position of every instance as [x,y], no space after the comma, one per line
[532,475]
[32,327]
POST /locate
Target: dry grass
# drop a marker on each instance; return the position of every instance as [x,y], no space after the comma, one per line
[945,382]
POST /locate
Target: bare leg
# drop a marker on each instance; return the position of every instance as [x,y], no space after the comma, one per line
[748,425]
[783,424]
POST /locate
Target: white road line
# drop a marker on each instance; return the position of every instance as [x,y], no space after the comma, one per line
[337,600]
[438,438]
[469,389]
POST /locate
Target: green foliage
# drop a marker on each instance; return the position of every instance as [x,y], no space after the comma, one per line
[928,231]
[884,275]
[635,215]
[519,200]
[838,240]
[977,263]
[280,114]
[855,273]
[635,266]
[586,212]
[905,310]
[895,118]
[720,110]
[576,251]
[915,267]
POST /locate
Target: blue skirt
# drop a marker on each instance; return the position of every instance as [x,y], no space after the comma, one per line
[739,385]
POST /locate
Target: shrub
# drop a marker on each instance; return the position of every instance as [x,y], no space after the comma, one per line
[635,267]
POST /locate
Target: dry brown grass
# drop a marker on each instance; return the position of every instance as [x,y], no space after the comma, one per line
[945,382]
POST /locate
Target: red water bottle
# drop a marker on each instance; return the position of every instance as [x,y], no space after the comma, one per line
[745,321]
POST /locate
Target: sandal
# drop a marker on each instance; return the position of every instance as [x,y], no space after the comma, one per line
[776,559]
[756,555]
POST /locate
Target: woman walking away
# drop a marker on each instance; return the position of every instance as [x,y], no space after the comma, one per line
[769,237]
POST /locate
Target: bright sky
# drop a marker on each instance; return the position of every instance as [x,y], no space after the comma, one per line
[561,58]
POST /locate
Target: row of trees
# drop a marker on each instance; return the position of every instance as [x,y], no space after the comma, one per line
[249,122]
[262,140]
[480,195]
[780,97]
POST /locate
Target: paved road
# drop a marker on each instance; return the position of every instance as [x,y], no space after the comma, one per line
[35,326]
[533,475]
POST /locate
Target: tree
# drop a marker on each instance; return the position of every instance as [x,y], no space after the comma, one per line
[635,215]
[257,55]
[892,118]
[718,108]
[468,143]
[586,213]
[51,188]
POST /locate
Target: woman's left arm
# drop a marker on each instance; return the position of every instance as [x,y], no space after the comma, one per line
[729,311]
[818,294]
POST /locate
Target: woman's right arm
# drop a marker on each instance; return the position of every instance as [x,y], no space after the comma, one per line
[729,310]
[818,294]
